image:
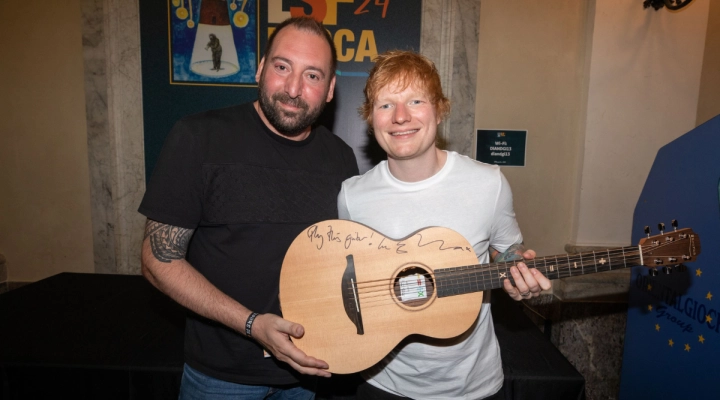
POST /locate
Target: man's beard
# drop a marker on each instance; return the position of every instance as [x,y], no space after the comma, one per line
[289,124]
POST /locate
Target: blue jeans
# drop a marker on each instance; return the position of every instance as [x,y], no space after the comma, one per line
[197,386]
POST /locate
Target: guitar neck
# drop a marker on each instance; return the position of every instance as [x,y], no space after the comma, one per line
[478,277]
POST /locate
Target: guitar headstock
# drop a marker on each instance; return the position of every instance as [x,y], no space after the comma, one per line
[670,249]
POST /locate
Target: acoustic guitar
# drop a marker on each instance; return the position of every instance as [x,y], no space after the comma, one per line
[358,293]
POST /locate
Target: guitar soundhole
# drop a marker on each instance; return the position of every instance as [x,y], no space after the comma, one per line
[413,287]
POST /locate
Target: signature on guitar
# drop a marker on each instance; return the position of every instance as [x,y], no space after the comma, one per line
[315,235]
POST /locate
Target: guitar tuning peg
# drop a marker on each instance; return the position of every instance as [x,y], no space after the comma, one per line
[661,227]
[674,224]
[647,230]
[667,270]
[653,272]
[681,268]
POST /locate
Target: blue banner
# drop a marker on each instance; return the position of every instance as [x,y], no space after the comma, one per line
[672,339]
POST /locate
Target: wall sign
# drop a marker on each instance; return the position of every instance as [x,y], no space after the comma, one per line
[501,147]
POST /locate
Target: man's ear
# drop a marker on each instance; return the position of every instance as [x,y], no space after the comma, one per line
[331,90]
[259,70]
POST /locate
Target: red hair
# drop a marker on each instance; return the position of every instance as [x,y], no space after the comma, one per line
[404,68]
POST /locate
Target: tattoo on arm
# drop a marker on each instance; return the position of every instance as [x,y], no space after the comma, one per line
[167,242]
[513,253]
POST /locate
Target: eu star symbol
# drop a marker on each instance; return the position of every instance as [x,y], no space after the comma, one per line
[649,307]
[671,343]
[708,318]
[709,296]
[698,272]
[649,287]
[687,347]
[657,327]
[701,339]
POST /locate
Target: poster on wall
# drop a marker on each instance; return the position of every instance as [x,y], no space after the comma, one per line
[203,54]
[213,41]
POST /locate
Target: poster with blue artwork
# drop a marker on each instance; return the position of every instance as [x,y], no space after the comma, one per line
[213,42]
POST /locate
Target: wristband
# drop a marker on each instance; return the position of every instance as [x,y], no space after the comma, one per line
[249,323]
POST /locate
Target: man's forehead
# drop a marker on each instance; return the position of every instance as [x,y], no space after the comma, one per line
[400,85]
[285,34]
[290,35]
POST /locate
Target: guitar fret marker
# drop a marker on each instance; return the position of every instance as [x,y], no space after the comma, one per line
[503,275]
[602,261]
[552,267]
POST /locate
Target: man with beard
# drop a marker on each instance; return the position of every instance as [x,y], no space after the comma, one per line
[232,188]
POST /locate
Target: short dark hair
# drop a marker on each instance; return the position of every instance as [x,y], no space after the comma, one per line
[307,24]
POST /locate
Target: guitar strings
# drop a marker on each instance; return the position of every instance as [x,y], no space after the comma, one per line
[379,295]
[375,293]
[489,269]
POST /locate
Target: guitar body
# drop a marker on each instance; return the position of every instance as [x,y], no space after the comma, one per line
[336,267]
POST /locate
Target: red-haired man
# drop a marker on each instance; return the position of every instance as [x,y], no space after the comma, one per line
[419,186]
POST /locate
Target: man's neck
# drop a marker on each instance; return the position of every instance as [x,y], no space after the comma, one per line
[420,168]
[304,135]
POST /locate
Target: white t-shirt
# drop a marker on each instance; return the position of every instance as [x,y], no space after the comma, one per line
[473,199]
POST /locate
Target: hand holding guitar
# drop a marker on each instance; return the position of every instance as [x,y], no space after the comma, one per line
[529,282]
[274,333]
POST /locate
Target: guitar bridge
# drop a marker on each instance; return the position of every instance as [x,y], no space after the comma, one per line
[349,291]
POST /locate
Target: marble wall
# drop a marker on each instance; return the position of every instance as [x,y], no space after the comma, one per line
[99,141]
[113,89]
[591,335]
[450,39]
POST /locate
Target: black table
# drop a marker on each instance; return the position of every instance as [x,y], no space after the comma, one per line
[534,368]
[90,336]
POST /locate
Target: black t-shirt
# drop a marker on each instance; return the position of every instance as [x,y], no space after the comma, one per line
[248,193]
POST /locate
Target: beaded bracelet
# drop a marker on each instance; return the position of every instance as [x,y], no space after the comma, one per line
[249,323]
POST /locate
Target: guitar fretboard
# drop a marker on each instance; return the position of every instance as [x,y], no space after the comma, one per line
[474,278]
